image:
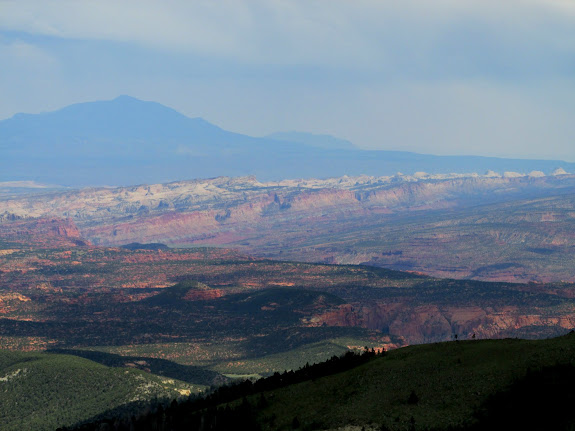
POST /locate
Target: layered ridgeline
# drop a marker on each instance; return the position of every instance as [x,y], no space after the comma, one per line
[469,385]
[202,316]
[128,141]
[506,227]
[232,313]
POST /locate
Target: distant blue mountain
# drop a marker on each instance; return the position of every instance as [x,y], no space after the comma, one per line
[320,141]
[129,141]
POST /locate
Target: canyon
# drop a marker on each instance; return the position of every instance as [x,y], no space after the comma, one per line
[507,227]
[275,267]
[67,292]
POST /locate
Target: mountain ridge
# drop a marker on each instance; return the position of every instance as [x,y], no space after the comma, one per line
[499,228]
[127,141]
[461,385]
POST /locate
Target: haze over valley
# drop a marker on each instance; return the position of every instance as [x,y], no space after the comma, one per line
[275,216]
[126,141]
[120,276]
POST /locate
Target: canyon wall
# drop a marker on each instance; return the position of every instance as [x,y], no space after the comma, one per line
[500,228]
[433,323]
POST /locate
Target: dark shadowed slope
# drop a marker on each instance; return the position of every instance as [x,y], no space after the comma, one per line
[471,385]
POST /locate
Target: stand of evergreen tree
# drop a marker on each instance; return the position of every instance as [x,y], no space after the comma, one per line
[221,409]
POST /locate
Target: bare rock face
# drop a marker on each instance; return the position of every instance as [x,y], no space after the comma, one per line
[501,228]
[559,171]
[64,228]
[38,231]
[432,323]
[203,294]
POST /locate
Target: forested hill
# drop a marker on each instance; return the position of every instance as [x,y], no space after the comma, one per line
[458,385]
[41,391]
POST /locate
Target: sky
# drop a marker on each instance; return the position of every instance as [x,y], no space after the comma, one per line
[453,77]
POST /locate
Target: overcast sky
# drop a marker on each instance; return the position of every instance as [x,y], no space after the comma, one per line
[432,76]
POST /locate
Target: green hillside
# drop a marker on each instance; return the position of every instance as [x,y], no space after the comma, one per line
[434,386]
[466,385]
[42,391]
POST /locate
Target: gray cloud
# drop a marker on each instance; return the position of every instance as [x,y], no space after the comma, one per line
[448,76]
[383,35]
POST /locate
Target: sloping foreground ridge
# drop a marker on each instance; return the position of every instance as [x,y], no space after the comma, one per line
[41,391]
[458,385]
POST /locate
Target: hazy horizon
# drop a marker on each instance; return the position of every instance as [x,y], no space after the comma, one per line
[276,134]
[447,78]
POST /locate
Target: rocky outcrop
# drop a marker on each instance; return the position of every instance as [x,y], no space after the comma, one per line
[53,231]
[432,323]
[203,294]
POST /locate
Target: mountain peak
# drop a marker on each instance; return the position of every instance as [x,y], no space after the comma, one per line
[314,140]
[125,97]
[126,140]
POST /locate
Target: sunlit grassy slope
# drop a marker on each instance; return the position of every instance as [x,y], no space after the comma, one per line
[41,391]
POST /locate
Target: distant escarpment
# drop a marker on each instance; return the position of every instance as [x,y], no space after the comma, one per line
[432,322]
[501,228]
[56,290]
[40,231]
